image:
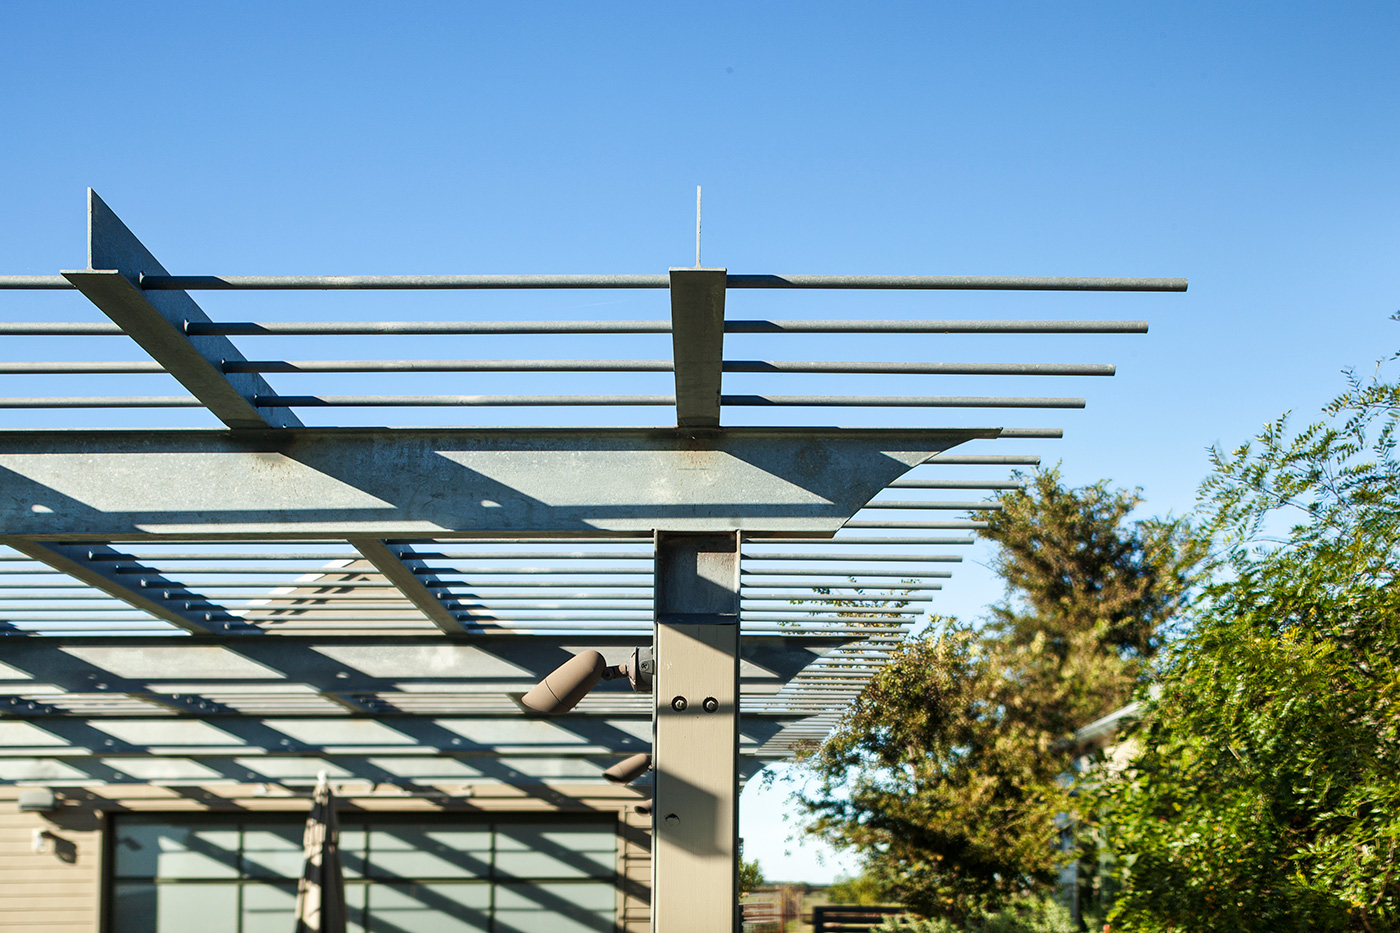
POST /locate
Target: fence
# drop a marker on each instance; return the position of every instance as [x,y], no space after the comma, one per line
[849,918]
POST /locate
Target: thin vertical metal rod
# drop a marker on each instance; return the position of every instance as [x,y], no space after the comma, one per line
[697,226]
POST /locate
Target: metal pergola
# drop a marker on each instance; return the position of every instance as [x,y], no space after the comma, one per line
[264,600]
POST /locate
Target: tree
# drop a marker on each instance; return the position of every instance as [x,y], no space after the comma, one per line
[750,875]
[946,771]
[1094,592]
[1266,792]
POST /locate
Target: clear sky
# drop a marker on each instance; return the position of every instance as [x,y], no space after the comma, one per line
[1252,148]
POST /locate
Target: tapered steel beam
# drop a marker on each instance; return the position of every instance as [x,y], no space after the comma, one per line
[697,341]
[157,321]
[445,483]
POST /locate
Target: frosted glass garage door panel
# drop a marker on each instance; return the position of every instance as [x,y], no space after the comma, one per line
[430,908]
[555,908]
[355,919]
[269,908]
[149,850]
[174,908]
[413,851]
[272,851]
[555,852]
[352,852]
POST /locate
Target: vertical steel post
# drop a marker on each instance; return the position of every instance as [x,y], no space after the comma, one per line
[695,843]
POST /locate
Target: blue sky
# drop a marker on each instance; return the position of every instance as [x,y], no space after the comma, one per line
[1252,148]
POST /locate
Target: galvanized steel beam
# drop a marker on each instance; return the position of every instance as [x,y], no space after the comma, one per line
[499,664]
[156,321]
[406,483]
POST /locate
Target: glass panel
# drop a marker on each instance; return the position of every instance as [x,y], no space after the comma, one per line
[525,851]
[355,904]
[151,850]
[352,851]
[269,908]
[175,908]
[414,851]
[555,908]
[272,851]
[133,907]
[430,908]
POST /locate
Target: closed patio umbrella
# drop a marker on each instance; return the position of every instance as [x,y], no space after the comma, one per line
[321,890]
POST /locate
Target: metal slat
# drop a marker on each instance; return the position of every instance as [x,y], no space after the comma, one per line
[73,560]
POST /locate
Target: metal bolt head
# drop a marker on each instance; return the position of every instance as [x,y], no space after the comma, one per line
[711,704]
[678,704]
[673,819]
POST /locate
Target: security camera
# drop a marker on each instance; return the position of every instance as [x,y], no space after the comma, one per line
[629,769]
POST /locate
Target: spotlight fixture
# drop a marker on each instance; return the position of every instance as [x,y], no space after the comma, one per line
[629,769]
[570,682]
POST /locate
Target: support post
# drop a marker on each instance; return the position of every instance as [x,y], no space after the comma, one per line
[695,842]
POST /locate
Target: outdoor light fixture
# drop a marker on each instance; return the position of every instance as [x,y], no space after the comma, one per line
[38,800]
[570,682]
[629,769]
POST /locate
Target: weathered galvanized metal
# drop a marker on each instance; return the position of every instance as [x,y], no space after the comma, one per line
[386,483]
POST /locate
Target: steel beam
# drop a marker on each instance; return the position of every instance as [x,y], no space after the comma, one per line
[695,847]
[157,320]
[439,483]
[371,772]
[390,561]
[421,665]
[97,566]
[697,342]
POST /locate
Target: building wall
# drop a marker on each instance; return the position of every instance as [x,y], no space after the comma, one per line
[56,890]
[59,890]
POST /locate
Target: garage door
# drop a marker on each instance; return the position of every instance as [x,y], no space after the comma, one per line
[404,874]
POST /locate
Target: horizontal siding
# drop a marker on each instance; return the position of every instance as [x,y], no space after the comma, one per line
[54,891]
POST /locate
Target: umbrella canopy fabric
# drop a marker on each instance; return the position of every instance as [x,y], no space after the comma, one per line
[321,890]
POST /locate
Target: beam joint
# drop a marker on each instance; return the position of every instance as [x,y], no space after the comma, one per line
[395,562]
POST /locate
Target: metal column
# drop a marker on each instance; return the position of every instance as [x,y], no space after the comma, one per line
[696,815]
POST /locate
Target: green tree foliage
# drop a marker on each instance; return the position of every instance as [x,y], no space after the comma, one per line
[1024,915]
[1266,792]
[750,875]
[946,773]
[1093,593]
[864,889]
